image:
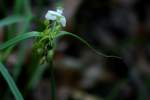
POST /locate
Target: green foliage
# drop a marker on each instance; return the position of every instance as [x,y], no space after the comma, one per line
[44,45]
[44,39]
[11,20]
[21,14]
[18,39]
[10,82]
[63,33]
[36,76]
[4,72]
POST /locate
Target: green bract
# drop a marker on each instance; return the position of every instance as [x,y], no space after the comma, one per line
[45,43]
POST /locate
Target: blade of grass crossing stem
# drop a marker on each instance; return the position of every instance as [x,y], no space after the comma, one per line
[36,76]
[26,24]
[10,20]
[31,71]
[22,52]
[10,82]
[62,33]
[18,39]
[21,57]
[22,49]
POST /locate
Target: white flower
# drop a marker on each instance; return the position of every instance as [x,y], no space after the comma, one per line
[56,15]
[60,11]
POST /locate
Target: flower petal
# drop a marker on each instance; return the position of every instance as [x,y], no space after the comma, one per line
[49,16]
[56,15]
[63,21]
[60,11]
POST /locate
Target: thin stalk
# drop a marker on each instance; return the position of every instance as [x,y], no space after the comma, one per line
[52,80]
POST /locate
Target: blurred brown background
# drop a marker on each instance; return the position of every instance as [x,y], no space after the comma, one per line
[114,27]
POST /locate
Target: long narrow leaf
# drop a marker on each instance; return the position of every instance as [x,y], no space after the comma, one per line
[21,58]
[18,39]
[10,20]
[10,82]
[62,33]
[36,76]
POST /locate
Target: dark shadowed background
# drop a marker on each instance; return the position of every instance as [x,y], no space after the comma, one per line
[113,27]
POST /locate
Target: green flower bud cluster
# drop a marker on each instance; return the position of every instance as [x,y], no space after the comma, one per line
[44,45]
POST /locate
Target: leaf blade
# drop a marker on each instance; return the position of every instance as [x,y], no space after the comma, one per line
[36,76]
[19,38]
[10,82]
[10,20]
[63,33]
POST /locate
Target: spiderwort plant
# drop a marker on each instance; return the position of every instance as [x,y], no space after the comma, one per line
[54,23]
[44,46]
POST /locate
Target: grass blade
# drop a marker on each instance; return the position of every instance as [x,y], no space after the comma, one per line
[10,20]
[21,58]
[18,39]
[36,76]
[62,33]
[10,82]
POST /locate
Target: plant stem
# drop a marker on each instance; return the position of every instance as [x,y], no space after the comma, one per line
[52,80]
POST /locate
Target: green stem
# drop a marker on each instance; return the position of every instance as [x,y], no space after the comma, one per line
[52,80]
